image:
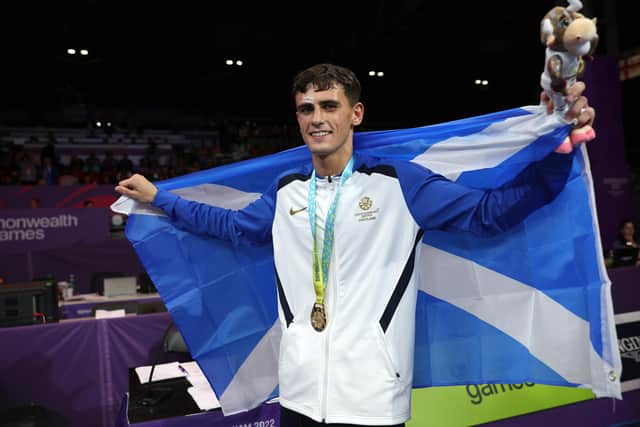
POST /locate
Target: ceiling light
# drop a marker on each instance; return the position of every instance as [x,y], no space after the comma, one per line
[98,124]
[485,82]
[372,73]
[380,74]
[84,52]
[229,62]
[478,81]
[71,51]
[239,63]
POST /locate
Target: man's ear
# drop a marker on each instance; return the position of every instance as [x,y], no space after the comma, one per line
[358,114]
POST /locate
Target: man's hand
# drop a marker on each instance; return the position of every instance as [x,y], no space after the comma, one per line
[580,113]
[137,187]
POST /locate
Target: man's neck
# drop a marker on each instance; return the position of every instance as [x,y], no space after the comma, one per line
[332,164]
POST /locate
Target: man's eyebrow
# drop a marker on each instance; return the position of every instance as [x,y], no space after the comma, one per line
[329,102]
[304,105]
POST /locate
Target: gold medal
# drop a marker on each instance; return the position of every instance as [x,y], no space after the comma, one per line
[318,317]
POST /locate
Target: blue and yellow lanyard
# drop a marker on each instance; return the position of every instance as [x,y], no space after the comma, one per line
[321,264]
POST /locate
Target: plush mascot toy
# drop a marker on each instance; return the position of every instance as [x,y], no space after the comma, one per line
[571,40]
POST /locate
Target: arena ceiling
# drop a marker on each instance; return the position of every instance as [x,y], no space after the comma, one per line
[173,53]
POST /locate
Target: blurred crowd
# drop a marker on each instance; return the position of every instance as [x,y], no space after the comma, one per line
[63,160]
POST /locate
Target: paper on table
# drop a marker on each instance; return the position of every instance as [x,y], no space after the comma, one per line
[204,397]
[108,314]
[201,392]
[195,375]
[192,368]
[162,371]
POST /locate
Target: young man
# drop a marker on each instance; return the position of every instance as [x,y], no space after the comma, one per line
[347,288]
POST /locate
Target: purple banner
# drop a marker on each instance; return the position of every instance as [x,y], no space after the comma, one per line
[30,230]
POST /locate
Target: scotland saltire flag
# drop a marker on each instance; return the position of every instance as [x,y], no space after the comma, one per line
[532,304]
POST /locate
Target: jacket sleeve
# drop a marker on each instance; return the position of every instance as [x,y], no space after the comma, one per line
[438,203]
[250,225]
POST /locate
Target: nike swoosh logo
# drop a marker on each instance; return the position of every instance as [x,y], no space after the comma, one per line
[292,211]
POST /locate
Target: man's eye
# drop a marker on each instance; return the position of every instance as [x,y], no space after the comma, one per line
[305,110]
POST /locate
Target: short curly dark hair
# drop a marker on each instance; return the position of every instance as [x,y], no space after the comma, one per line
[324,76]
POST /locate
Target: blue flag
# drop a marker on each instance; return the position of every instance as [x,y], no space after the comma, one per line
[531,304]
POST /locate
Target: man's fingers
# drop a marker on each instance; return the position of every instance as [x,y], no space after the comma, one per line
[126,182]
[132,180]
[586,117]
[580,112]
[137,187]
[577,106]
[125,191]
[546,101]
[574,92]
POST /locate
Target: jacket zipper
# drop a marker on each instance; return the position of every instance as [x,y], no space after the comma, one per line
[326,374]
[327,343]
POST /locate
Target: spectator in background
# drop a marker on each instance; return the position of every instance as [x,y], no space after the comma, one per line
[34,203]
[125,167]
[143,165]
[49,150]
[91,179]
[48,172]
[7,163]
[76,165]
[91,169]
[27,170]
[626,239]
[626,235]
[109,166]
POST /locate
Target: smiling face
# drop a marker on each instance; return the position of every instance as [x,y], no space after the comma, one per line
[326,119]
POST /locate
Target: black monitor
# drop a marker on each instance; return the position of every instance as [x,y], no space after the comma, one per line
[28,303]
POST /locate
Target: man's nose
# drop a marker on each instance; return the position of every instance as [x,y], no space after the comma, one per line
[318,116]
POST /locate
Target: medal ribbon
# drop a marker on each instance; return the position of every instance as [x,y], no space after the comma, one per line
[321,263]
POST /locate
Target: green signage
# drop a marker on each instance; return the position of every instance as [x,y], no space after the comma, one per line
[477,404]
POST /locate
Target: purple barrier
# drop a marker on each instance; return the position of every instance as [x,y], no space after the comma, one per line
[31,230]
[54,196]
[263,416]
[625,288]
[78,370]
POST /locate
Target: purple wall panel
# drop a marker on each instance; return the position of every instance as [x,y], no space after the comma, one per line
[615,197]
